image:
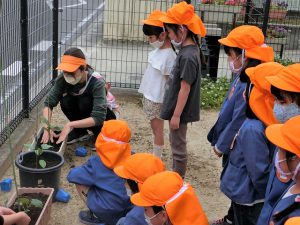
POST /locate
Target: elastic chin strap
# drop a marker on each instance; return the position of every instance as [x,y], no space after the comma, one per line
[296,171]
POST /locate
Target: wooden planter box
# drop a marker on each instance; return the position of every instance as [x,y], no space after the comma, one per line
[219,13]
[277,14]
[63,145]
[45,215]
[277,43]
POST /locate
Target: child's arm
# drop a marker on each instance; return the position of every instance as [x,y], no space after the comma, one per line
[257,157]
[83,174]
[181,101]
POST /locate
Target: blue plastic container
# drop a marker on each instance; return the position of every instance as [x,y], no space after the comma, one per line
[6,184]
[62,196]
[81,151]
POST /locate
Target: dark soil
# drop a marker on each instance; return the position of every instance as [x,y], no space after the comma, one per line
[34,212]
[55,147]
[31,161]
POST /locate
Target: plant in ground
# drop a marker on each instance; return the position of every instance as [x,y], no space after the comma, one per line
[213,92]
[277,32]
[224,2]
[285,62]
[278,5]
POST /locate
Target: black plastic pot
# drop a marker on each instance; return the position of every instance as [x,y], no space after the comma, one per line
[38,177]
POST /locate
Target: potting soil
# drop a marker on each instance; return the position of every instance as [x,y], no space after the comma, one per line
[34,212]
[51,160]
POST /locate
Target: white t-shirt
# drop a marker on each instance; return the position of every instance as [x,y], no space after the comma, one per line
[160,64]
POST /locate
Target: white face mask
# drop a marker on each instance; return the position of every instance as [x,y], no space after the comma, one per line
[148,219]
[281,175]
[232,67]
[157,44]
[128,192]
[177,45]
[296,171]
[71,79]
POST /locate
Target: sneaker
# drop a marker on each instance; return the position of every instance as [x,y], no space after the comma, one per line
[91,142]
[76,135]
[223,221]
[89,218]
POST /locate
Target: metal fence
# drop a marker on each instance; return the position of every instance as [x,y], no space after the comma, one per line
[34,34]
[26,57]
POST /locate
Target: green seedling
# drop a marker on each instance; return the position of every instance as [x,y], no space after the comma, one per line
[24,204]
[38,152]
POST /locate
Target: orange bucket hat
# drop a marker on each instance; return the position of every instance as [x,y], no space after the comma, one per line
[288,79]
[286,136]
[112,143]
[293,221]
[184,14]
[261,100]
[252,40]
[139,167]
[168,189]
[70,63]
[154,19]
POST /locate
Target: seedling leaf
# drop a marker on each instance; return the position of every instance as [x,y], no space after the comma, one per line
[56,128]
[37,203]
[45,121]
[42,163]
[39,151]
[46,146]
[29,146]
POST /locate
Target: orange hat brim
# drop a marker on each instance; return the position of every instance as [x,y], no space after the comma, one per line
[276,81]
[68,67]
[167,19]
[293,221]
[227,42]
[120,171]
[70,63]
[138,200]
[274,134]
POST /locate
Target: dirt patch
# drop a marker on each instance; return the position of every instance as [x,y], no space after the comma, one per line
[203,166]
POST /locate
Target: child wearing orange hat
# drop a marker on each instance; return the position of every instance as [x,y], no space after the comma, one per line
[136,169]
[245,176]
[160,64]
[82,99]
[168,200]
[245,48]
[105,192]
[286,137]
[181,103]
[286,90]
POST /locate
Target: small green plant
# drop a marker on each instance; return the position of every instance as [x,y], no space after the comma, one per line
[48,127]
[284,62]
[213,92]
[24,204]
[38,152]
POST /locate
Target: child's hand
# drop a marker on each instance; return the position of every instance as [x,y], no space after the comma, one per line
[174,123]
[45,139]
[6,211]
[217,153]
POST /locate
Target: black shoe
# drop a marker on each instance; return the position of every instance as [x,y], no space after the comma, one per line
[223,221]
[88,217]
[77,135]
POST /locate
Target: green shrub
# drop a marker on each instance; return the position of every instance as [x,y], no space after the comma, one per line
[213,92]
[284,62]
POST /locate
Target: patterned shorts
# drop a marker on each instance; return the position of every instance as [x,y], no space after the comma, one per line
[151,109]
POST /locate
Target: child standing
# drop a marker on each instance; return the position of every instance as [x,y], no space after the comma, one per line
[285,87]
[245,175]
[96,182]
[181,103]
[160,64]
[245,48]
[286,137]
